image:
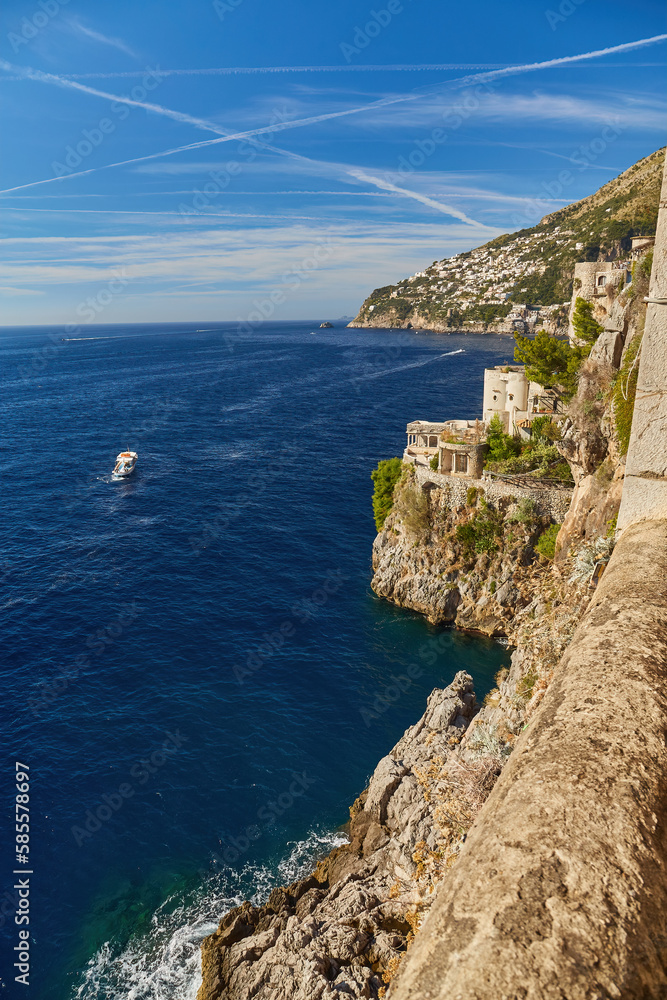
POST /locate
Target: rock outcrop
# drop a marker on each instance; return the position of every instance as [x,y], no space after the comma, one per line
[345,931]
[334,933]
[443,576]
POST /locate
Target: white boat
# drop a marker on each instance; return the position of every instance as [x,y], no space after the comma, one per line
[125,464]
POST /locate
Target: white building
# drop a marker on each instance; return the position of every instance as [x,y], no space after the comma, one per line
[516,400]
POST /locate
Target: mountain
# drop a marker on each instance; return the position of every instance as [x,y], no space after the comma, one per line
[527,272]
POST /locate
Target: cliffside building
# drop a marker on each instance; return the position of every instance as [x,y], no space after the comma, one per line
[460,444]
[517,401]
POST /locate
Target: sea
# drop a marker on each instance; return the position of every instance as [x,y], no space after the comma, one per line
[196,675]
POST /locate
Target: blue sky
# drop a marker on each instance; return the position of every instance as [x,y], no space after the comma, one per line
[192,160]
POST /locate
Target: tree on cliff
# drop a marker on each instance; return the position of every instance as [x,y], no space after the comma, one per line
[585,326]
[385,478]
[551,361]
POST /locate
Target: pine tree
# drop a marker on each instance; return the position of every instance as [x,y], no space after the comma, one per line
[585,326]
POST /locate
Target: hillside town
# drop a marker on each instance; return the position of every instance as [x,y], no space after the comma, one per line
[526,281]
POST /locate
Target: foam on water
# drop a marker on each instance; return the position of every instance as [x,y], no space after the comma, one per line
[164,963]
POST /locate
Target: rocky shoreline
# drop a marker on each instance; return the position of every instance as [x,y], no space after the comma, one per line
[422,324]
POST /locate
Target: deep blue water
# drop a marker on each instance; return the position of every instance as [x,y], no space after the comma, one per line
[211,617]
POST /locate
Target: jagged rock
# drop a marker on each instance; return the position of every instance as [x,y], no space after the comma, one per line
[608,348]
[331,934]
[583,446]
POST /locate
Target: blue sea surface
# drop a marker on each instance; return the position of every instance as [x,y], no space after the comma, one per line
[194,666]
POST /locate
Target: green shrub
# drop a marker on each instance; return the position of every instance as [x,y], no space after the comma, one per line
[492,587]
[385,477]
[646,264]
[481,533]
[550,360]
[544,429]
[434,463]
[585,326]
[540,458]
[471,496]
[411,506]
[524,512]
[501,445]
[546,543]
[526,685]
[625,388]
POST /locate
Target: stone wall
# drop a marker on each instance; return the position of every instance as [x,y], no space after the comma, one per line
[560,889]
[645,486]
[553,503]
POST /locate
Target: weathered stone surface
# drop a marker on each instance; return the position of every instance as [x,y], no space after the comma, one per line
[608,348]
[584,447]
[561,888]
[332,935]
[594,505]
[645,495]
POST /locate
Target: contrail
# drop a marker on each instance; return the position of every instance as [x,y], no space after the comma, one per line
[252,70]
[439,206]
[225,136]
[60,81]
[562,60]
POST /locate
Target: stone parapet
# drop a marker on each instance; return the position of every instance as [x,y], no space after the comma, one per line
[552,503]
[645,486]
[560,889]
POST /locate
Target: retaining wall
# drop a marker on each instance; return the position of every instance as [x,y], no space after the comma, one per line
[553,503]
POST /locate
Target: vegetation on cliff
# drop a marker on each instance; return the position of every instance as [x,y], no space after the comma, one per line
[554,362]
[533,266]
[624,392]
[385,477]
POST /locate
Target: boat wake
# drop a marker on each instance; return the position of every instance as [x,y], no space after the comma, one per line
[163,962]
[415,364]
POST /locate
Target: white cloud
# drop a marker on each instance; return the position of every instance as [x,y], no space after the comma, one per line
[11,292]
[230,257]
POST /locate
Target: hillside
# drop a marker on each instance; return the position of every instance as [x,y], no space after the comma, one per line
[527,272]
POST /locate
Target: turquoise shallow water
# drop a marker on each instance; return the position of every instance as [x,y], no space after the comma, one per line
[194,664]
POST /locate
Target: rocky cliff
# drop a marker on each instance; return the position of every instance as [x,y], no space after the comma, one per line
[334,934]
[527,274]
[345,930]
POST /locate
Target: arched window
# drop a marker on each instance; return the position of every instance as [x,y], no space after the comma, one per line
[602,280]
